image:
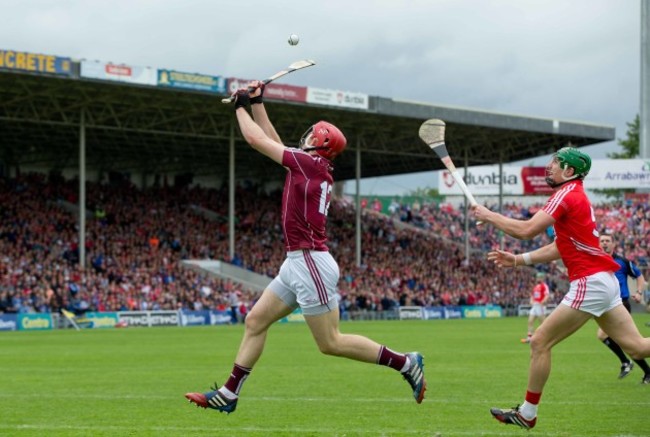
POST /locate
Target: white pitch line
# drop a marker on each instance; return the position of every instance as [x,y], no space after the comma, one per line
[405,400]
[267,430]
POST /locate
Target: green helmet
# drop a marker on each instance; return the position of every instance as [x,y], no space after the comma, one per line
[572,157]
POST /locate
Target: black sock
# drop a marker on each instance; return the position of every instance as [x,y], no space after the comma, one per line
[616,349]
[644,365]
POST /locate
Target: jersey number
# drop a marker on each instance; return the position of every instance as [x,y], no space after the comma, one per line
[324,205]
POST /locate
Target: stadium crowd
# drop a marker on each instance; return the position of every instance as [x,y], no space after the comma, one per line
[136,240]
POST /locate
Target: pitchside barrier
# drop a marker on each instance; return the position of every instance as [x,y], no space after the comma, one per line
[26,322]
[148,319]
[524,310]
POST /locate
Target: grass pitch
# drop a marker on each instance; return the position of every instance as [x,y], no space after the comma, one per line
[132,381]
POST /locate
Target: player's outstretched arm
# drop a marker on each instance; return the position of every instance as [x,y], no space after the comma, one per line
[521,229]
[255,136]
[542,255]
[259,111]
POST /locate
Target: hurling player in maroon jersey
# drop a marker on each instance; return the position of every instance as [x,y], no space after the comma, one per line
[309,275]
[594,290]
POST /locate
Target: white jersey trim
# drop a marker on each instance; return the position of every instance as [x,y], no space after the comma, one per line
[557,199]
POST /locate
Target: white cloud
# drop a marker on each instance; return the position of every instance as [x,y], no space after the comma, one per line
[576,60]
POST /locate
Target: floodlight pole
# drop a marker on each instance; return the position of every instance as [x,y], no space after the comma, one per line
[231,192]
[644,118]
[467,206]
[503,238]
[357,219]
[82,190]
[500,181]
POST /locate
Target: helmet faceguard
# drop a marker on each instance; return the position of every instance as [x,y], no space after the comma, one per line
[325,138]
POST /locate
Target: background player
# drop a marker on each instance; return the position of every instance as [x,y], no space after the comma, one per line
[538,299]
[627,269]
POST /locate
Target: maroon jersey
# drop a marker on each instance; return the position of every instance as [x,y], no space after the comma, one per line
[305,200]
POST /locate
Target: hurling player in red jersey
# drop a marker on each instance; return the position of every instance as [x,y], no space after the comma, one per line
[309,275]
[594,290]
[538,298]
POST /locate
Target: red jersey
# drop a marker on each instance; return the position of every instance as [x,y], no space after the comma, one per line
[305,200]
[576,236]
[540,291]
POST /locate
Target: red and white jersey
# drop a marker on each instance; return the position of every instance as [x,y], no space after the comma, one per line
[305,200]
[576,236]
[540,292]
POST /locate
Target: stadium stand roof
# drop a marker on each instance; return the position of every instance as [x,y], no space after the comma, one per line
[163,130]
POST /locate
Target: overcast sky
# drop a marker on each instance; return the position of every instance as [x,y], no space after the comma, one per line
[571,60]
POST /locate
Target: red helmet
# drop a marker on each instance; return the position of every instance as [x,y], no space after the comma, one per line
[327,140]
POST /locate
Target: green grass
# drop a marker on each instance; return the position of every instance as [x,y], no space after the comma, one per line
[131,382]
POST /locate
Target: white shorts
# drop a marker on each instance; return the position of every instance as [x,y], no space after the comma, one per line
[537,310]
[595,294]
[308,279]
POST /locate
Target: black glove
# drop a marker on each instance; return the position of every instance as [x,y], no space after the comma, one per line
[241,99]
[258,99]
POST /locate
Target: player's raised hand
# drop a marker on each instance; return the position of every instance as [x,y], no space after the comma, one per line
[502,258]
[241,98]
[256,91]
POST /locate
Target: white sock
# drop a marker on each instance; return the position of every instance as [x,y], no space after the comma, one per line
[407,364]
[528,410]
[227,393]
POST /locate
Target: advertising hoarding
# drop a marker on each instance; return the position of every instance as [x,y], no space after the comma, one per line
[35,63]
[119,73]
[192,81]
[343,99]
[517,180]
